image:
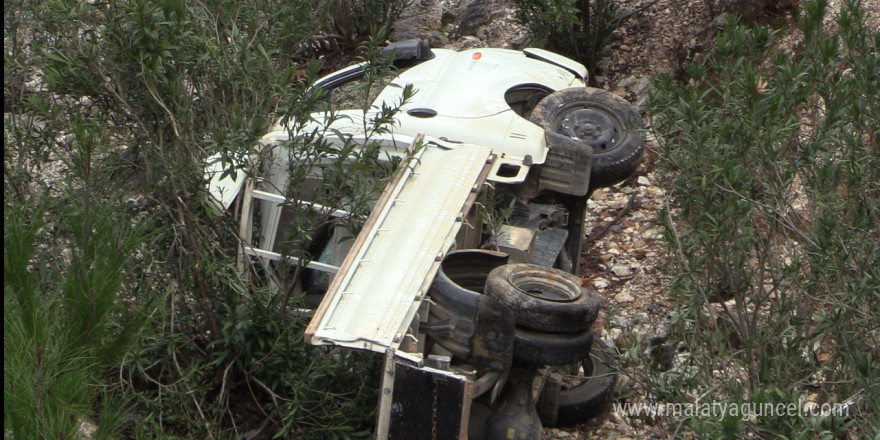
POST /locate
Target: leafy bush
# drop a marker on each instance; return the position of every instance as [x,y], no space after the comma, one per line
[134,96]
[776,158]
[68,315]
[580,29]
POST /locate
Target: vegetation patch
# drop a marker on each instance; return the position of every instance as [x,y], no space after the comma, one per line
[774,226]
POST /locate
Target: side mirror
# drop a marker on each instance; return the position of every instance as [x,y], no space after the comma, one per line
[408,52]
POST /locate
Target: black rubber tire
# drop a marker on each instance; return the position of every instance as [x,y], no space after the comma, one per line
[615,129]
[548,401]
[543,298]
[480,329]
[542,348]
[580,403]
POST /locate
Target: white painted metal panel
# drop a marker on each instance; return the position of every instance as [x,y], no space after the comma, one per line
[379,287]
[224,190]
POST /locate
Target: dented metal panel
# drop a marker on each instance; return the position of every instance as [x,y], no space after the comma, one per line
[382,281]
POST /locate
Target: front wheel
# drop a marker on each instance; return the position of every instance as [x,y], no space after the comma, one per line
[600,120]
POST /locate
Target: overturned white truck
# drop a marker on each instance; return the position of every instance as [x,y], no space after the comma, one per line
[484,322]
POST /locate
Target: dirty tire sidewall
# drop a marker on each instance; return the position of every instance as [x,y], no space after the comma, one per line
[505,283]
[541,348]
[620,158]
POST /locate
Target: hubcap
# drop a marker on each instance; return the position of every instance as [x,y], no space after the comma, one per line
[590,126]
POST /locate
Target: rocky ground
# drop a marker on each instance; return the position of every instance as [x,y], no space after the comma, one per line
[625,255]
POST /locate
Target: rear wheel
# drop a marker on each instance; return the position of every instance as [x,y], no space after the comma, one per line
[544,299]
[586,388]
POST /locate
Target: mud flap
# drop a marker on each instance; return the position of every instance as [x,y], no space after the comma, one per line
[481,334]
[568,165]
[494,332]
[473,326]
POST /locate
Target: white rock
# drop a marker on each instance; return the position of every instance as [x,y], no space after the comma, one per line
[627,82]
[642,84]
[616,335]
[621,270]
[623,297]
[87,429]
[657,191]
[811,407]
[653,233]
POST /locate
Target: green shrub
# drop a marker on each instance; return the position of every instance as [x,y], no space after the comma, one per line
[580,29]
[134,96]
[70,313]
[776,158]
